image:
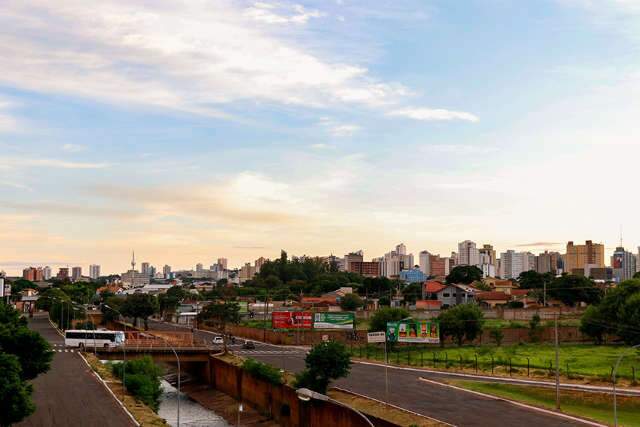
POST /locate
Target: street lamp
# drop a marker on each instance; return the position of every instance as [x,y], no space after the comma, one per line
[124,350]
[306,395]
[178,360]
[613,375]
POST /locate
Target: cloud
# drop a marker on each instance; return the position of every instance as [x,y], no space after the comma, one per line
[73,148]
[198,57]
[429,114]
[8,123]
[15,185]
[10,162]
[538,244]
[338,129]
[322,146]
[281,14]
[459,149]
[69,210]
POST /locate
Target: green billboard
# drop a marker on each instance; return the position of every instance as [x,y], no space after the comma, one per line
[333,320]
[414,331]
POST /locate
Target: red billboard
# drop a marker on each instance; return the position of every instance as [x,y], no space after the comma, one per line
[291,320]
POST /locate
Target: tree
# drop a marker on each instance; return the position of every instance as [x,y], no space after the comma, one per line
[381,317]
[630,320]
[218,315]
[464,274]
[412,292]
[535,329]
[325,362]
[350,302]
[19,285]
[593,323]
[497,335]
[15,394]
[572,289]
[169,301]
[140,306]
[461,322]
[533,280]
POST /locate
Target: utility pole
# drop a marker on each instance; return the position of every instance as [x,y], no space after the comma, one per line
[557,365]
[266,305]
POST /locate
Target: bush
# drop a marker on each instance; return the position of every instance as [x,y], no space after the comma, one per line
[381,317]
[262,371]
[142,380]
[535,329]
[497,335]
[325,362]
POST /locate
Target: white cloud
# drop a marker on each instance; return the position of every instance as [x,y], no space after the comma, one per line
[430,114]
[277,13]
[459,149]
[338,129]
[9,162]
[73,148]
[190,56]
[8,123]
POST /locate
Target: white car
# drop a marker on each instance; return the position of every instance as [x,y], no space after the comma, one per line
[218,340]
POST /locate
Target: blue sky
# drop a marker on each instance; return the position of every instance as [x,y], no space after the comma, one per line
[199,129]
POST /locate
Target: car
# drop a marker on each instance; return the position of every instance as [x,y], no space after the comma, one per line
[218,340]
[248,345]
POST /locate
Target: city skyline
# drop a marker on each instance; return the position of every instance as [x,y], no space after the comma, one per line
[318,128]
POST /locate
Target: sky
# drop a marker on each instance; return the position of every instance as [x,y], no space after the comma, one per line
[198,129]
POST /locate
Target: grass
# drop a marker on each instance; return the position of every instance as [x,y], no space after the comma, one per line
[141,412]
[583,360]
[596,406]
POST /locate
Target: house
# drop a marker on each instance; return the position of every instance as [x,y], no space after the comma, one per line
[456,294]
[500,285]
[430,289]
[491,299]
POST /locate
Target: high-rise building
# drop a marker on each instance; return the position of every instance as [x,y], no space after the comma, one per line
[145,268]
[440,266]
[199,267]
[32,274]
[365,268]
[259,263]
[424,262]
[513,263]
[487,255]
[46,273]
[94,271]
[468,253]
[624,264]
[222,262]
[166,271]
[579,256]
[396,261]
[63,273]
[548,262]
[76,273]
[246,272]
[352,257]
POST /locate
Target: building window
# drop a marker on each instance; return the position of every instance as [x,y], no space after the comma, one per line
[446,295]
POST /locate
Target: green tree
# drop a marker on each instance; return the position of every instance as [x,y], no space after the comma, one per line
[142,380]
[15,394]
[572,289]
[412,292]
[496,335]
[140,306]
[464,274]
[350,302]
[594,324]
[19,285]
[535,329]
[218,316]
[461,322]
[534,280]
[325,362]
[629,329]
[382,316]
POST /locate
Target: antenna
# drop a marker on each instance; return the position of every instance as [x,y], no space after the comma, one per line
[620,235]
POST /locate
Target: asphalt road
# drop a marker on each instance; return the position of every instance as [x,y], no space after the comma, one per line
[406,390]
[69,394]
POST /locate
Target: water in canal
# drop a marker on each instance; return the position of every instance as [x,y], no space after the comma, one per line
[192,414]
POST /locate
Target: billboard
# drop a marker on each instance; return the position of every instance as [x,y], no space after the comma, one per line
[373,337]
[333,321]
[291,320]
[414,331]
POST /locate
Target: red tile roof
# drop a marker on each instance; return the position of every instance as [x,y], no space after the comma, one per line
[432,287]
[519,292]
[428,303]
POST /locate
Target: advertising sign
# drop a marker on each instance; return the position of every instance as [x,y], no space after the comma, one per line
[291,320]
[244,307]
[414,331]
[333,321]
[376,337]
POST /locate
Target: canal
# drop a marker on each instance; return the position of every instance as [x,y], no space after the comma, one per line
[192,414]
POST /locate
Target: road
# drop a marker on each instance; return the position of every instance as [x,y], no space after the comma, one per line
[407,391]
[69,394]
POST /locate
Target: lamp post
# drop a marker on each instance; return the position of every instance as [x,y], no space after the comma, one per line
[124,350]
[178,360]
[613,375]
[306,395]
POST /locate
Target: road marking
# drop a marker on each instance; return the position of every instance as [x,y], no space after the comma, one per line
[513,402]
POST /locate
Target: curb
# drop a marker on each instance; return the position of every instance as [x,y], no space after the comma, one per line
[104,383]
[522,405]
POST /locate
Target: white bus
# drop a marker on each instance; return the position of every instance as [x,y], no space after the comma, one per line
[90,338]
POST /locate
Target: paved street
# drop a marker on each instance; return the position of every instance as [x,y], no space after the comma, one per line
[69,394]
[406,390]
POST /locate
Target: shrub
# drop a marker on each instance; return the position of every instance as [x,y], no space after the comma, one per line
[497,335]
[262,371]
[141,380]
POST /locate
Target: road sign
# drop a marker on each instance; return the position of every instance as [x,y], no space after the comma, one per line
[376,337]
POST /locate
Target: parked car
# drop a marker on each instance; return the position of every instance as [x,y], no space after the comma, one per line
[248,345]
[218,340]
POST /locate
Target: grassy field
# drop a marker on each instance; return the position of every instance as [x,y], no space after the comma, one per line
[583,360]
[595,406]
